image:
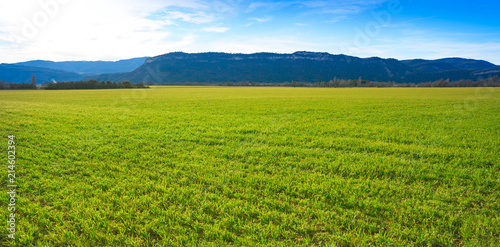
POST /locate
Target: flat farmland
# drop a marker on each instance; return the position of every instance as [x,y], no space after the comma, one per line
[250,166]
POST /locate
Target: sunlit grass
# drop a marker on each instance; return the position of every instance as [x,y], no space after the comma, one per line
[174,166]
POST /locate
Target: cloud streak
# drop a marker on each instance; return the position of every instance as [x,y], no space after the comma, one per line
[215,29]
[198,17]
[318,6]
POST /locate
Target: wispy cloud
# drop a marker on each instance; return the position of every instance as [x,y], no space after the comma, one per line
[255,20]
[336,19]
[246,44]
[427,48]
[267,5]
[198,17]
[435,49]
[215,29]
[199,11]
[319,6]
[260,20]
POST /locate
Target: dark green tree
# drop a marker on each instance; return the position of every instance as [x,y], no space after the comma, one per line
[33,81]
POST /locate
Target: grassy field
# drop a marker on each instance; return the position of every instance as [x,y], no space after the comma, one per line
[214,166]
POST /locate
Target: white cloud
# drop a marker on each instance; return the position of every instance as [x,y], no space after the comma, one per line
[215,29]
[260,20]
[198,17]
[91,29]
[435,49]
[337,19]
[255,20]
[247,44]
[425,48]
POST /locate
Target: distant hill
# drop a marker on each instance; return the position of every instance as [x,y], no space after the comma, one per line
[212,67]
[88,67]
[20,74]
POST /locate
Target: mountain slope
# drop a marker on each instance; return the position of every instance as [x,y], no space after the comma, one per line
[260,67]
[214,67]
[446,64]
[88,67]
[20,74]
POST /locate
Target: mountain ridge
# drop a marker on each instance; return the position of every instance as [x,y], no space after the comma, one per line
[304,66]
[264,67]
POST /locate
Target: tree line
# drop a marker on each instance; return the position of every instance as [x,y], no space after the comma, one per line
[335,83]
[18,86]
[340,83]
[90,84]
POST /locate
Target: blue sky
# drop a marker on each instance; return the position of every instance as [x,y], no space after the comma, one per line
[63,30]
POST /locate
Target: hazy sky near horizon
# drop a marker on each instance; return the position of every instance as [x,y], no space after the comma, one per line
[65,30]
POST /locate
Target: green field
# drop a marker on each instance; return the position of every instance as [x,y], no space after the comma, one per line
[216,166]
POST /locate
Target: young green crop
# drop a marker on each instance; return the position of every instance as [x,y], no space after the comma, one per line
[216,166]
